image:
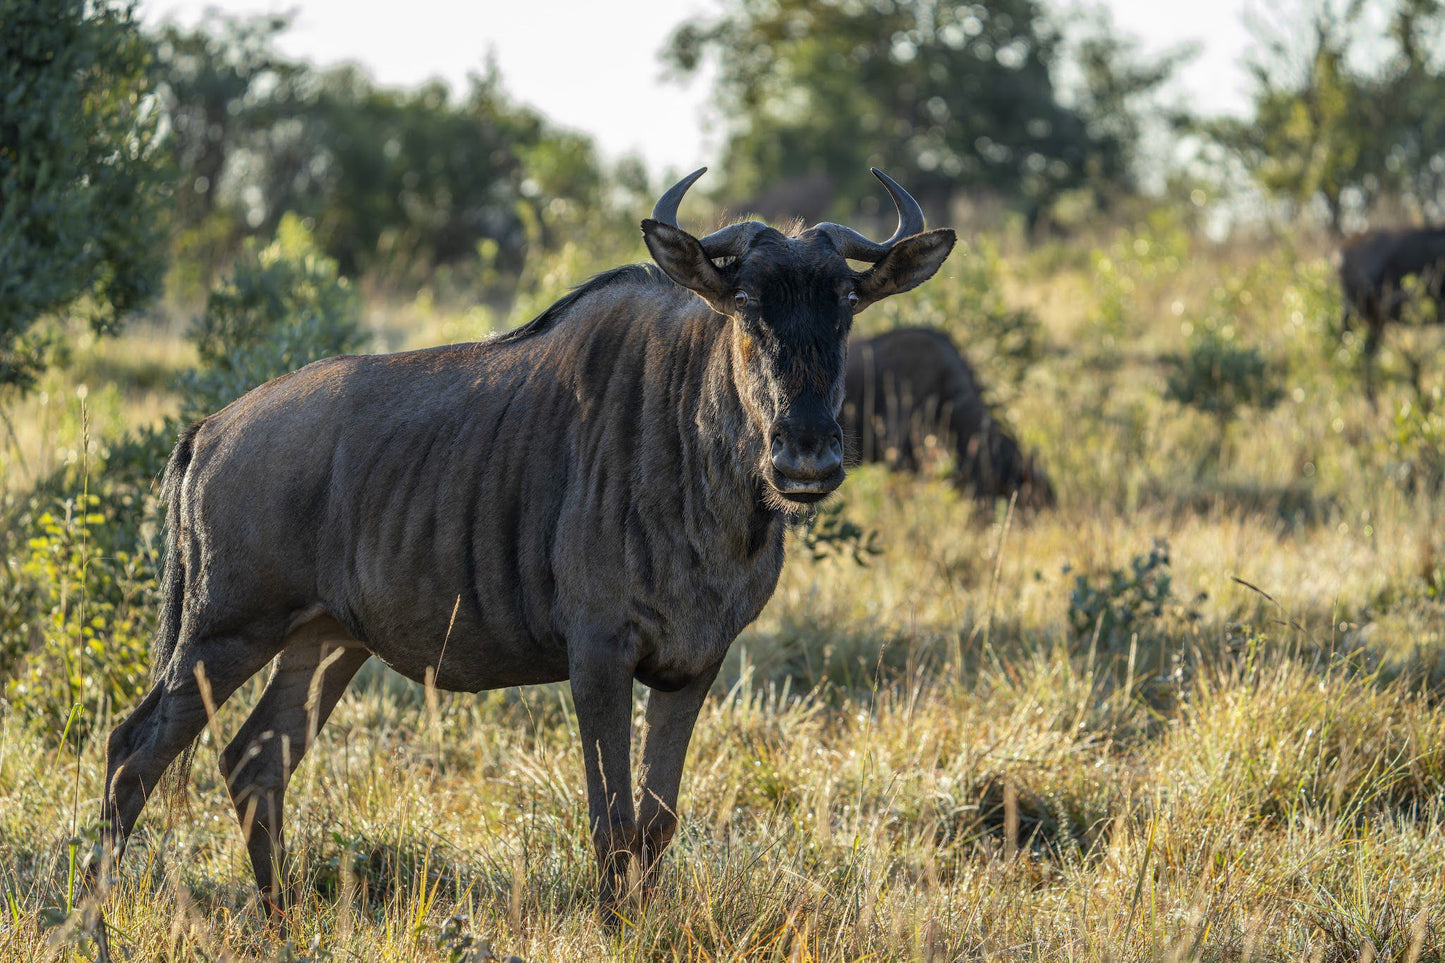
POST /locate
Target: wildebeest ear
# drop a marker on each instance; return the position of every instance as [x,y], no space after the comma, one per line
[908,264]
[682,258]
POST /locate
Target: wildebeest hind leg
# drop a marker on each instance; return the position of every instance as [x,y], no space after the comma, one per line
[170,718]
[309,680]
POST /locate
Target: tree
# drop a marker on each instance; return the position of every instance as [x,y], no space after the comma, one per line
[1344,114]
[953,96]
[80,178]
[393,180]
[1113,86]
[222,89]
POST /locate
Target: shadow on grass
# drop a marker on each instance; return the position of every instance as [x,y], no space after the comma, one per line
[1297,506]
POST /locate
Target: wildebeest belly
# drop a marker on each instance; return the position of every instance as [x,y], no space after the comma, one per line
[444,567]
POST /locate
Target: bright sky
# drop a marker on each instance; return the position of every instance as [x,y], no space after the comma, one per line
[593,64]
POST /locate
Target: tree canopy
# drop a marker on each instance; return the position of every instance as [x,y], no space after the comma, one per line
[80,179]
[956,97]
[1346,115]
[388,177]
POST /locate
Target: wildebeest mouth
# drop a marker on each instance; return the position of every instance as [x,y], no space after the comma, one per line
[806,491]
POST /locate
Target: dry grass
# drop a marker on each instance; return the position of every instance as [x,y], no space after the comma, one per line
[921,759]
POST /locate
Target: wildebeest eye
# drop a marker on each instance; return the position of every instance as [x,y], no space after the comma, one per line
[852,299]
[741,299]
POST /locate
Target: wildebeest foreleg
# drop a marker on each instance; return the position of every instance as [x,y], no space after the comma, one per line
[670,720]
[1373,332]
[602,692]
[309,680]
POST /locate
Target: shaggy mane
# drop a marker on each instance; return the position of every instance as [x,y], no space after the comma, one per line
[648,274]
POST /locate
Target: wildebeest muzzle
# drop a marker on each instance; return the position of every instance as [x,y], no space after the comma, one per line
[807,456]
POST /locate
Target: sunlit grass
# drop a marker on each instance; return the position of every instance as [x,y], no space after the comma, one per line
[919,759]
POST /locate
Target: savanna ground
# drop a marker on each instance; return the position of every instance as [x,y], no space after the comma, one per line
[956,751]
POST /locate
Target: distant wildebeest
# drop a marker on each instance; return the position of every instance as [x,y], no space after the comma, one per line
[1373,268]
[910,390]
[598,496]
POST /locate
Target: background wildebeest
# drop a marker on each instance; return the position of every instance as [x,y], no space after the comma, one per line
[1373,267]
[910,389]
[599,496]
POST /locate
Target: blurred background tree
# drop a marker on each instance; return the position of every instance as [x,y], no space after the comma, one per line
[394,183]
[1053,114]
[952,98]
[1345,116]
[80,182]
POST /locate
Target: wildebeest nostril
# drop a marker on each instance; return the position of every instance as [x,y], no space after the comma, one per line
[807,456]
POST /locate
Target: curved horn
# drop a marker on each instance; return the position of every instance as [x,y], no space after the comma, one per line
[854,245]
[666,208]
[731,241]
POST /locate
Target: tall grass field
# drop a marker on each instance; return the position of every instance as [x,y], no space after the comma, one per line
[1193,713]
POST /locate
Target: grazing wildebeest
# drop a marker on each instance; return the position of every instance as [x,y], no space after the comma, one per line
[598,496]
[911,389]
[1373,268]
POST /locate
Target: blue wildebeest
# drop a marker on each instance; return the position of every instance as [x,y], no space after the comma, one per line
[911,390]
[1373,268]
[598,496]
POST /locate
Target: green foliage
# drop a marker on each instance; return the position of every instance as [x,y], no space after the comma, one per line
[84,588]
[1326,131]
[827,534]
[222,89]
[80,221]
[86,584]
[1141,256]
[1415,443]
[1123,601]
[1217,375]
[1113,93]
[393,182]
[464,947]
[954,96]
[283,306]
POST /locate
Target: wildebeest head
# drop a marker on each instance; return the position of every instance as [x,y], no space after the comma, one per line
[790,299]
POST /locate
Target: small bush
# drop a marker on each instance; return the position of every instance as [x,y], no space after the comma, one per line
[86,589]
[1123,601]
[81,599]
[284,306]
[1217,376]
[1415,444]
[827,534]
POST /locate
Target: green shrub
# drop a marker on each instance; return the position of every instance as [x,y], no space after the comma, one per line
[86,590]
[827,534]
[1120,602]
[81,225]
[1415,444]
[283,306]
[82,594]
[1217,376]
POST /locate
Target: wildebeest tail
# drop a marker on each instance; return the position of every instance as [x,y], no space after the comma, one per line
[173,590]
[173,576]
